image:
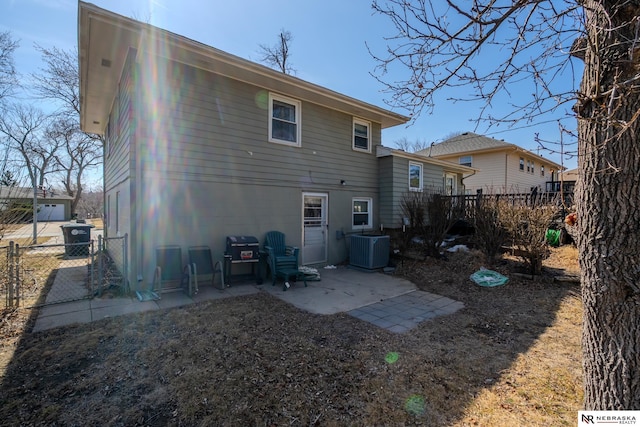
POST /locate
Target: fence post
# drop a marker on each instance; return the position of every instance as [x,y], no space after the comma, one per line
[93,258]
[10,283]
[100,264]
[17,274]
[125,273]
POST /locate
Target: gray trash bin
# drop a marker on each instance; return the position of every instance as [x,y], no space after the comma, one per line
[77,238]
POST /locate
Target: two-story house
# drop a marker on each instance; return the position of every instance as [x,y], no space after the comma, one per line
[502,167]
[201,144]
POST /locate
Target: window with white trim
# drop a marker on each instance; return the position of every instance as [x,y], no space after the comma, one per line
[415,176]
[361,135]
[361,213]
[521,164]
[465,160]
[284,120]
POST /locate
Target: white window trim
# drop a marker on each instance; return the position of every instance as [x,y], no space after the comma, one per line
[353,135]
[298,105]
[463,157]
[369,224]
[420,185]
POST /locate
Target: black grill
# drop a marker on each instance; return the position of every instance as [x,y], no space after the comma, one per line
[242,249]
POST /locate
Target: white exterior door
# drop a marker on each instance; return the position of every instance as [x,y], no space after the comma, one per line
[314,236]
[450,184]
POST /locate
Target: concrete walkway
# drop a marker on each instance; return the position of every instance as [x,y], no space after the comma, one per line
[384,300]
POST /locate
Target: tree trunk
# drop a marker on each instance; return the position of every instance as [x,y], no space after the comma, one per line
[608,206]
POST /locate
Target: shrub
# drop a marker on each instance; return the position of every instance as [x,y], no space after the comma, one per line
[430,216]
[489,233]
[526,227]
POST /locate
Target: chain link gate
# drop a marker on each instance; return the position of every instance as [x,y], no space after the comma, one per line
[41,275]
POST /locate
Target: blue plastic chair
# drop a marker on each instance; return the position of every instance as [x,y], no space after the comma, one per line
[282,259]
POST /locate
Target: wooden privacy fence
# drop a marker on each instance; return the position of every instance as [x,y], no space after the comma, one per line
[472,201]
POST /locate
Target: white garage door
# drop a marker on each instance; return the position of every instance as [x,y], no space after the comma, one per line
[51,212]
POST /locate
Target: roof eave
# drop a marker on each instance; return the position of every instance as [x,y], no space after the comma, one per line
[118,34]
[449,166]
[510,147]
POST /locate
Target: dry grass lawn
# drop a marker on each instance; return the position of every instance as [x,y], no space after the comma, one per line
[511,357]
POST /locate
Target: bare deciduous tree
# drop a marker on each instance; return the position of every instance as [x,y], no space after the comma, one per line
[23,127]
[59,81]
[78,152]
[278,56]
[8,74]
[92,204]
[411,146]
[485,47]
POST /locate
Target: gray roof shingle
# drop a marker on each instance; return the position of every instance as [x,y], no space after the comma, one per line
[465,142]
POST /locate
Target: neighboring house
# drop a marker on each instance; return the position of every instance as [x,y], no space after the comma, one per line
[502,167]
[565,180]
[51,205]
[402,172]
[201,145]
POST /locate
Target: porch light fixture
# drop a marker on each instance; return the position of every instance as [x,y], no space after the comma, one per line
[343,182]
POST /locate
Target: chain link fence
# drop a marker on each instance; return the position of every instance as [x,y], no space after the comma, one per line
[39,275]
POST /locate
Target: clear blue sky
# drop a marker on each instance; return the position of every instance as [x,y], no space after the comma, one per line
[328,48]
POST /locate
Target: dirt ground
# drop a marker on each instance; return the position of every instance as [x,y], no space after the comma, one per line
[510,357]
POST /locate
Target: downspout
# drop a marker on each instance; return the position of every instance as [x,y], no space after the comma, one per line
[465,177]
[506,170]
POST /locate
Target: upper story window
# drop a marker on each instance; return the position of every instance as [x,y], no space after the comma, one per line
[284,123]
[533,167]
[465,160]
[415,176]
[521,164]
[361,135]
[541,170]
[362,213]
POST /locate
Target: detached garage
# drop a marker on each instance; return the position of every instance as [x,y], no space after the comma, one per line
[51,212]
[51,206]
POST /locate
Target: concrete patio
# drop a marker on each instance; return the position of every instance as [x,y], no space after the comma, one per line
[384,300]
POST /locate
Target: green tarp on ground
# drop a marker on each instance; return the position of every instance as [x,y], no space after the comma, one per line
[488,278]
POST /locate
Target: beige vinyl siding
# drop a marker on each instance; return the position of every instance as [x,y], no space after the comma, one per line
[523,181]
[490,178]
[499,173]
[210,171]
